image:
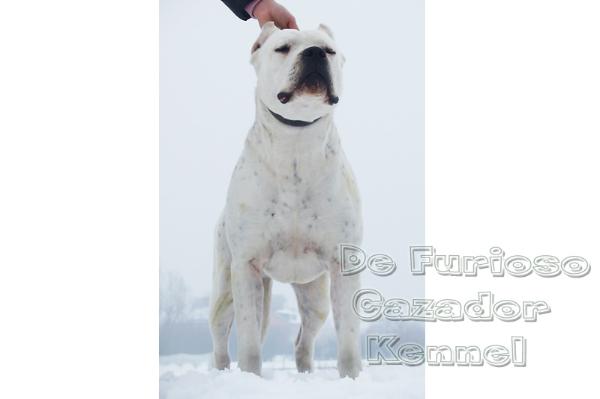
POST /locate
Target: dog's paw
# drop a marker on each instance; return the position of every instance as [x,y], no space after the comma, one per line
[349,366]
[304,361]
[250,363]
[221,361]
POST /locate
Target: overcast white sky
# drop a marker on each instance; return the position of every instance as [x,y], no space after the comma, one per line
[207,106]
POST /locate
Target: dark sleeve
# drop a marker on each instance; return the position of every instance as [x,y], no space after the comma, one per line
[237,6]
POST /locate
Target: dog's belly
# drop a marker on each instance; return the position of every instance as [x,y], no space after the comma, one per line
[289,266]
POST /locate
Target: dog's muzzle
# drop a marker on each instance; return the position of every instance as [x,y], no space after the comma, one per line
[314,76]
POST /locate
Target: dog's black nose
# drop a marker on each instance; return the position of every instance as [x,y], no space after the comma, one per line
[314,52]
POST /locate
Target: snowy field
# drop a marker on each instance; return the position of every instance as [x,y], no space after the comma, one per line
[188,376]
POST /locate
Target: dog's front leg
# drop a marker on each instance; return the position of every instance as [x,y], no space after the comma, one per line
[248,294]
[347,324]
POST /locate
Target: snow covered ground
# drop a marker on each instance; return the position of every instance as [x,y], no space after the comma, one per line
[188,376]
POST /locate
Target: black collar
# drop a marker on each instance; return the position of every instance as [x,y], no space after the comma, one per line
[291,122]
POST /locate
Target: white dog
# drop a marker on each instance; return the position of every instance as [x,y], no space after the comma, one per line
[291,201]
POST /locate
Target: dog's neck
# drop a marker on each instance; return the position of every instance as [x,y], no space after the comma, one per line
[282,146]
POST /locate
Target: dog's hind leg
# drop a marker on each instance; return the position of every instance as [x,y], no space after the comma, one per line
[313,305]
[221,303]
[267,283]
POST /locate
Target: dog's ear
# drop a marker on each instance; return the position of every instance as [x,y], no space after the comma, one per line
[326,29]
[266,31]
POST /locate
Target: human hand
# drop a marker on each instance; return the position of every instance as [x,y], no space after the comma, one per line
[269,10]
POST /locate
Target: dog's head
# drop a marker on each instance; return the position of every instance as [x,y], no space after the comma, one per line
[299,72]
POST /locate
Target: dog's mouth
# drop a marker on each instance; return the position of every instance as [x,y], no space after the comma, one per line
[313,83]
[292,122]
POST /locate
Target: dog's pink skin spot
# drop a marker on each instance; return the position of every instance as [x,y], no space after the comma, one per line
[255,265]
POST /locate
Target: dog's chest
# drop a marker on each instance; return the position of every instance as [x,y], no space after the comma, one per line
[304,212]
[293,218]
[303,227]
[307,204]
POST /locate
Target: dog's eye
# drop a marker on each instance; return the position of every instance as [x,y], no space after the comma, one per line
[283,49]
[329,50]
